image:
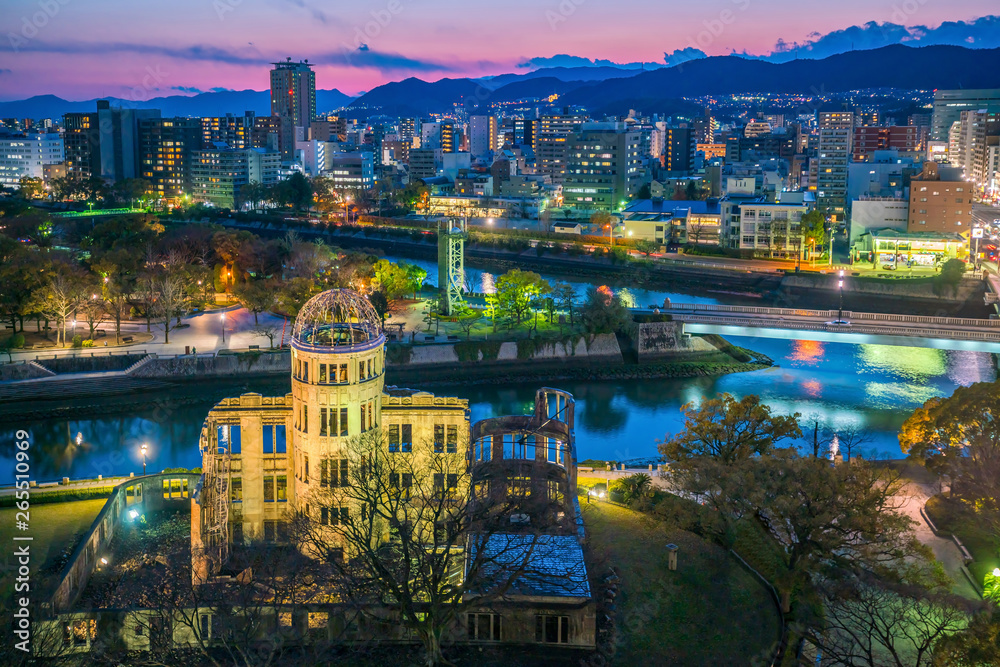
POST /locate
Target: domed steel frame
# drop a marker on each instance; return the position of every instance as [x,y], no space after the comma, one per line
[337,320]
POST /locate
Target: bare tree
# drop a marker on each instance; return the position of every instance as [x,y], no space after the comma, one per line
[850,439]
[171,296]
[404,533]
[58,300]
[266,330]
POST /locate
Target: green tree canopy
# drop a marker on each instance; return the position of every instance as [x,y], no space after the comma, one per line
[516,290]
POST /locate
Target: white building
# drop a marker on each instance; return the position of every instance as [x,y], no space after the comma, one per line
[354,171]
[482,136]
[772,228]
[870,213]
[311,155]
[25,155]
[218,174]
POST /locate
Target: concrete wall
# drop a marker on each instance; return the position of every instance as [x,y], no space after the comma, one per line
[144,494]
[19,371]
[915,289]
[248,363]
[655,339]
[602,347]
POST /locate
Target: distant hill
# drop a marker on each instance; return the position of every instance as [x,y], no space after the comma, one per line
[561,73]
[416,97]
[204,104]
[925,68]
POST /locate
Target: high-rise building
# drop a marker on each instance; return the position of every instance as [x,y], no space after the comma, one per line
[407,129]
[165,147]
[81,142]
[293,92]
[836,134]
[678,149]
[551,142]
[524,131]
[106,143]
[603,167]
[482,136]
[949,105]
[26,155]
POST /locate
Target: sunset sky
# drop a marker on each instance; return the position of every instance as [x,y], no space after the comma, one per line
[138,49]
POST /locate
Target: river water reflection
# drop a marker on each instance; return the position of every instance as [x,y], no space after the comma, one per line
[836,384]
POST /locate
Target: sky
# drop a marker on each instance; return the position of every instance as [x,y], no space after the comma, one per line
[140,49]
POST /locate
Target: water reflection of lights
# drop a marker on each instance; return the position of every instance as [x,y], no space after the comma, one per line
[915,363]
[813,388]
[808,351]
[892,394]
[487,283]
[79,438]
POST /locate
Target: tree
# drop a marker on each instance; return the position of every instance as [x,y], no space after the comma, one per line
[404,532]
[129,191]
[952,272]
[812,228]
[515,291]
[294,191]
[729,430]
[267,330]
[603,220]
[604,311]
[960,436]
[565,296]
[977,645]
[633,486]
[31,187]
[646,247]
[468,318]
[415,276]
[379,303]
[257,296]
[850,438]
[60,298]
[171,289]
[391,279]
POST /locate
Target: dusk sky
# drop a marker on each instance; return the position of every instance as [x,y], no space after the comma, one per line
[81,49]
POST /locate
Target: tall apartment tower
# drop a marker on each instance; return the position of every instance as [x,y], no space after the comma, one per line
[552,137]
[293,101]
[482,135]
[836,135]
[603,167]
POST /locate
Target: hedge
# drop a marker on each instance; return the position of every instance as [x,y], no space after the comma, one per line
[39,497]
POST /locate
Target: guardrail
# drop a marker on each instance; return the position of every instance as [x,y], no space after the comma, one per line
[831,314]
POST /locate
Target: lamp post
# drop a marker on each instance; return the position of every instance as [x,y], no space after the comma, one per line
[840,286]
[223,318]
[143,449]
[347,202]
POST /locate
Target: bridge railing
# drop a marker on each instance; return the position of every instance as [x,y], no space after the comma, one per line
[832,314]
[875,329]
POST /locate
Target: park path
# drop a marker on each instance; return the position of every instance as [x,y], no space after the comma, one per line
[945,550]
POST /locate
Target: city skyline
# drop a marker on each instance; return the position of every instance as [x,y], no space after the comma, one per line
[120,50]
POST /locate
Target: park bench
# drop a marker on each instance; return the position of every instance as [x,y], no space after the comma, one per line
[127,339]
[255,347]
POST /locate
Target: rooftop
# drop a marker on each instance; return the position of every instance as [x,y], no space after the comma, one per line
[555,566]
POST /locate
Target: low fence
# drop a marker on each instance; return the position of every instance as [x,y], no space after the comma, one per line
[904,332]
[141,494]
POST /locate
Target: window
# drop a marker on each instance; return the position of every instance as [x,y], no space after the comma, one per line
[323,422]
[270,531]
[281,484]
[343,374]
[230,438]
[484,627]
[269,489]
[305,371]
[393,438]
[439,438]
[273,436]
[554,451]
[343,422]
[333,472]
[175,488]
[322,373]
[236,489]
[406,438]
[335,516]
[484,448]
[551,629]
[451,443]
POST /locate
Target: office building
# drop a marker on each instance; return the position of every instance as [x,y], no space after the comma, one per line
[232,130]
[869,139]
[293,92]
[603,167]
[81,144]
[423,163]
[351,171]
[949,105]
[524,132]
[218,174]
[105,143]
[772,229]
[836,134]
[678,149]
[27,155]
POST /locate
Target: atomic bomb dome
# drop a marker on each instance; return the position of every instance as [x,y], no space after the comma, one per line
[337,319]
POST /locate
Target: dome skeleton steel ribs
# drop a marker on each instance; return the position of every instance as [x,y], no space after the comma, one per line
[337,318]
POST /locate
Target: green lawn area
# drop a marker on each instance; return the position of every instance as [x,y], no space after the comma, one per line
[710,611]
[55,528]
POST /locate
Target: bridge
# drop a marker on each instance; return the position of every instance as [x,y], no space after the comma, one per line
[958,333]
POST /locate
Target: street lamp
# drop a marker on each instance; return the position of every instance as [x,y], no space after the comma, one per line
[347,203]
[223,318]
[840,286]
[143,449]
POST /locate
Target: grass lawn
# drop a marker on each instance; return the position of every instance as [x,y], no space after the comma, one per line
[710,611]
[55,528]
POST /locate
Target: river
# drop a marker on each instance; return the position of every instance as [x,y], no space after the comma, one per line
[834,384]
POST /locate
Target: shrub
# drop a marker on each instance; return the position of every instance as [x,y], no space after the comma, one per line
[77,341]
[17,341]
[88,343]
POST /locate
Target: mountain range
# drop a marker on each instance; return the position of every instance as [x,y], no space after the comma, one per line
[605,89]
[215,103]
